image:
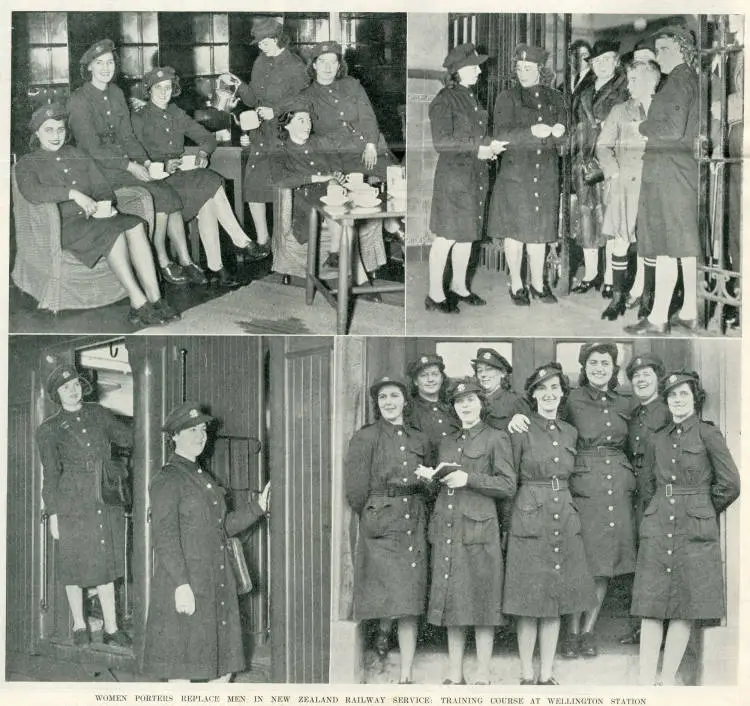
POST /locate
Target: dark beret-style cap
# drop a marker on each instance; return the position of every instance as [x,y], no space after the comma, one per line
[103,46]
[418,365]
[677,32]
[603,46]
[463,55]
[387,380]
[264,27]
[597,347]
[325,48]
[157,75]
[677,378]
[542,374]
[491,357]
[464,386]
[529,52]
[645,360]
[184,416]
[60,376]
[53,111]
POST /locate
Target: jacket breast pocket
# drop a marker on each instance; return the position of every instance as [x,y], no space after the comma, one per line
[527,519]
[702,524]
[479,524]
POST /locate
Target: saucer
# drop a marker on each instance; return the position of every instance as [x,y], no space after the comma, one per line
[335,203]
[366,209]
[375,203]
[357,186]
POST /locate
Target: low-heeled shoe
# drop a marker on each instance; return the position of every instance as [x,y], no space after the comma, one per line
[545,296]
[587,645]
[117,639]
[174,273]
[81,637]
[195,274]
[446,306]
[520,297]
[165,311]
[471,299]
[607,290]
[145,315]
[257,251]
[644,327]
[691,325]
[583,286]
[222,278]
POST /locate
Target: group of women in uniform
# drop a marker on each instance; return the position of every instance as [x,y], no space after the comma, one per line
[535,502]
[146,149]
[193,628]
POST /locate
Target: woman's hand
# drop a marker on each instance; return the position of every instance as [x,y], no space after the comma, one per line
[486,152]
[457,479]
[265,113]
[139,171]
[172,165]
[370,155]
[425,472]
[265,497]
[558,130]
[184,599]
[87,204]
[519,424]
[339,178]
[54,529]
[541,130]
[498,146]
[201,159]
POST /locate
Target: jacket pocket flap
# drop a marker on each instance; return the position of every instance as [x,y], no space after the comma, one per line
[479,513]
[702,512]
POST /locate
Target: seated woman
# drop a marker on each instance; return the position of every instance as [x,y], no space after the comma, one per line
[161,127]
[100,123]
[300,160]
[57,173]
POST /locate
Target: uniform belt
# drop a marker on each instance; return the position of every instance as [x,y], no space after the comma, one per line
[396,491]
[554,483]
[638,460]
[670,490]
[601,451]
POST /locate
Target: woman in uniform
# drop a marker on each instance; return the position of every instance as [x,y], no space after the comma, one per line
[689,479]
[74,445]
[277,75]
[161,127]
[526,194]
[590,107]
[390,575]
[100,122]
[493,372]
[649,416]
[619,150]
[57,173]
[459,134]
[467,562]
[301,159]
[546,573]
[193,630]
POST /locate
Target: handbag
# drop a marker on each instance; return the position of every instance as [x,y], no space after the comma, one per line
[113,483]
[239,566]
[592,172]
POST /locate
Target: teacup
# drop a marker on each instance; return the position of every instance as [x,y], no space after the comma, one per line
[103,209]
[336,194]
[355,180]
[187,162]
[156,170]
[223,135]
[367,197]
[249,120]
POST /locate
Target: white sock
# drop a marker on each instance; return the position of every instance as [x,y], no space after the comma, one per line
[439,251]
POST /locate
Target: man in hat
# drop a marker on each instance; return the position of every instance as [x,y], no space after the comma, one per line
[74,445]
[668,207]
[525,198]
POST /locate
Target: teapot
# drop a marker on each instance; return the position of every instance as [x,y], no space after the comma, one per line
[225,93]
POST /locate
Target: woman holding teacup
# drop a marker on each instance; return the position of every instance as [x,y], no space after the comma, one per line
[56,172]
[161,127]
[277,75]
[100,123]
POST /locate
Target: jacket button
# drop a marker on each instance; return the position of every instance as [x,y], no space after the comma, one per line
[413,564]
[669,551]
[669,571]
[555,516]
[407,516]
[611,524]
[446,576]
[448,541]
[671,518]
[611,508]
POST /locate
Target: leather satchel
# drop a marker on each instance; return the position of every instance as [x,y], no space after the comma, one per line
[592,172]
[236,555]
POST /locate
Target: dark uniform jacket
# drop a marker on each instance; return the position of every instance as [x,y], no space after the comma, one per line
[381,487]
[436,419]
[668,206]
[189,529]
[689,478]
[459,126]
[467,562]
[546,572]
[294,165]
[162,132]
[526,193]
[73,447]
[502,406]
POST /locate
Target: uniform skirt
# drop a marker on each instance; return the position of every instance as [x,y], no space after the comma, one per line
[546,570]
[194,187]
[679,572]
[165,197]
[257,183]
[390,578]
[90,239]
[602,485]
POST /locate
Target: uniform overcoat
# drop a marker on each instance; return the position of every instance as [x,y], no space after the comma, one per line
[459,194]
[273,80]
[689,479]
[189,529]
[467,561]
[526,194]
[668,205]
[48,177]
[602,483]
[100,122]
[162,133]
[390,578]
[72,448]
[546,573]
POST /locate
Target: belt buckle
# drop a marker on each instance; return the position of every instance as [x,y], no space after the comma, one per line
[451,491]
[391,492]
[555,484]
[668,490]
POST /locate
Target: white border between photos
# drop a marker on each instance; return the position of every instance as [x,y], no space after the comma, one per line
[65,694]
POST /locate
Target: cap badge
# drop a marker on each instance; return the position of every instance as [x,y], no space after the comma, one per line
[461,387]
[50,112]
[672,378]
[487,356]
[99,47]
[66,374]
[523,55]
[193,413]
[424,359]
[160,73]
[385,378]
[542,372]
[638,361]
